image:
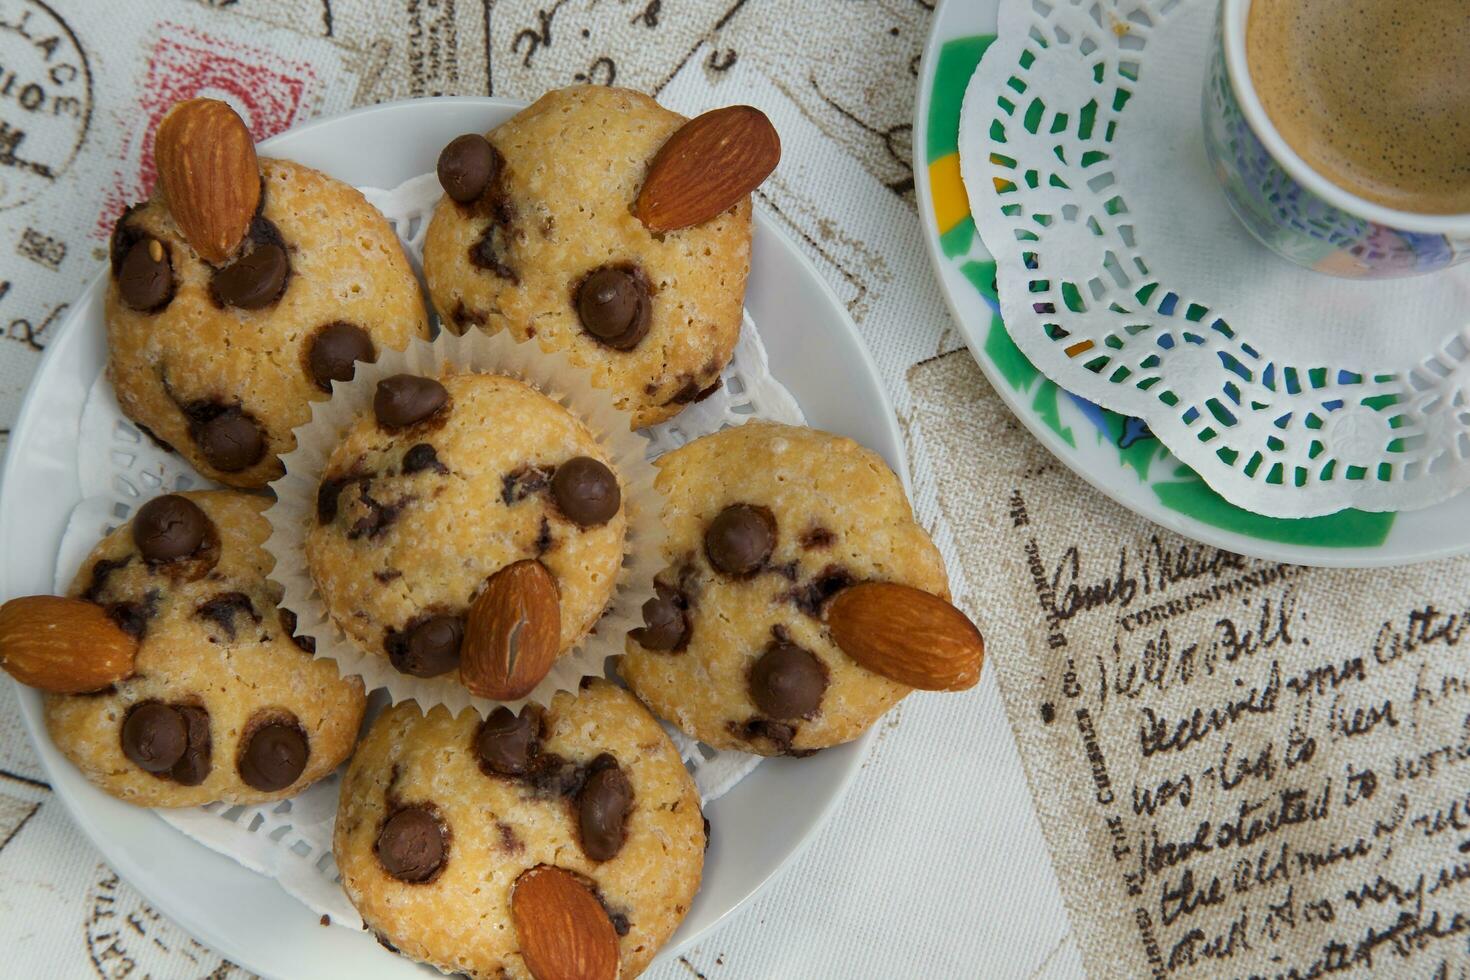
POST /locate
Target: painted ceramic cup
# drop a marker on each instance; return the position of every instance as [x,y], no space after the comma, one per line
[1290,208]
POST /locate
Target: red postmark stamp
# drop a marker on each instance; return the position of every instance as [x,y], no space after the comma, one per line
[269,92]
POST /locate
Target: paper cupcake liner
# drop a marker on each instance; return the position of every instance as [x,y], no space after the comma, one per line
[476,351]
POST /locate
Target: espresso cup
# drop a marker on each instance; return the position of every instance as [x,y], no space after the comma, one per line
[1294,210]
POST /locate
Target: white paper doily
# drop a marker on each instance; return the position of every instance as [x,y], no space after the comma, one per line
[1124,277]
[291,840]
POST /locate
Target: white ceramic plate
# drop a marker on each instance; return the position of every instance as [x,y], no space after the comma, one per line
[762,823]
[1117,455]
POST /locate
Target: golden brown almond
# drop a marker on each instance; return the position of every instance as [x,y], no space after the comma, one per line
[706,167]
[65,646]
[907,635]
[210,178]
[564,932]
[513,633]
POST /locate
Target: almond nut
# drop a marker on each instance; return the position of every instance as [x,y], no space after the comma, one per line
[65,646]
[207,166]
[907,635]
[706,167]
[564,931]
[513,633]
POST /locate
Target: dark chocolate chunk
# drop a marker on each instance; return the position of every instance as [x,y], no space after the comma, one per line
[486,253]
[224,609]
[778,734]
[274,756]
[788,681]
[524,481]
[193,766]
[169,527]
[132,616]
[690,393]
[602,808]
[811,597]
[102,570]
[817,537]
[253,281]
[614,305]
[667,625]
[410,847]
[740,539]
[506,743]
[422,457]
[154,736]
[404,399]
[427,648]
[230,441]
[586,491]
[335,350]
[124,235]
[145,279]
[306,644]
[466,167]
[326,497]
[379,516]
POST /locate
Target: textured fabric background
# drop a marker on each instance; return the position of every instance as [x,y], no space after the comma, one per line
[934,864]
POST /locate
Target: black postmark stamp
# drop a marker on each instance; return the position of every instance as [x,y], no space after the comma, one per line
[45,100]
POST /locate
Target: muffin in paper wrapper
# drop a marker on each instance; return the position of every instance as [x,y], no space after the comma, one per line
[557,378]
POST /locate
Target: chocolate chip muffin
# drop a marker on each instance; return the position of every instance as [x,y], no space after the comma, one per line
[445,483]
[536,235]
[223,703]
[219,358]
[443,820]
[766,523]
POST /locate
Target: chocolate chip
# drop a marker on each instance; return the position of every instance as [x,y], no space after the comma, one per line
[335,350]
[466,167]
[145,279]
[427,648]
[422,457]
[690,393]
[326,497]
[102,570]
[817,537]
[602,808]
[614,306]
[132,617]
[740,539]
[506,743]
[154,736]
[254,280]
[193,766]
[410,847]
[486,253]
[779,734]
[124,235]
[586,491]
[274,756]
[379,516]
[404,399]
[522,482]
[810,598]
[306,644]
[667,625]
[788,681]
[230,441]
[223,609]
[169,527]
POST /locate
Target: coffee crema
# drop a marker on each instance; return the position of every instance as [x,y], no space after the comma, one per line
[1373,94]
